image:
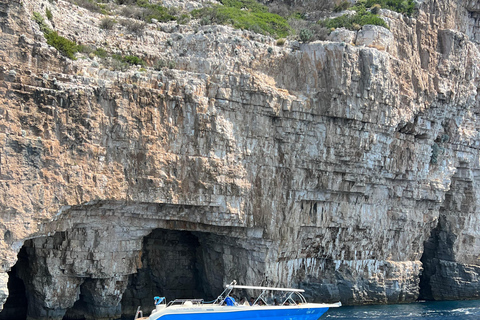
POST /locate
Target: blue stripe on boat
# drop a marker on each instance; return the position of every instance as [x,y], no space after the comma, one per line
[276,314]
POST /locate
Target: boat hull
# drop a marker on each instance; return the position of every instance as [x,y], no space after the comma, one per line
[242,313]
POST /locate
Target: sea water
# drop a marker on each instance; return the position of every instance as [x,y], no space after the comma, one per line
[441,310]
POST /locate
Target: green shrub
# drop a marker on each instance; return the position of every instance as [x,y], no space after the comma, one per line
[290,8]
[48,14]
[66,47]
[245,4]
[143,10]
[132,12]
[160,64]
[126,2]
[119,62]
[85,49]
[354,22]
[402,6]
[306,35]
[104,9]
[184,19]
[174,11]
[281,42]
[38,18]
[171,64]
[280,8]
[244,14]
[308,31]
[107,23]
[364,16]
[133,26]
[205,20]
[436,149]
[375,9]
[100,52]
[344,5]
[157,12]
[131,60]
[116,63]
[90,5]
[164,64]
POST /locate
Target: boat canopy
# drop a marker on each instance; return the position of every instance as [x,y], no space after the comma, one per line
[234,286]
[288,297]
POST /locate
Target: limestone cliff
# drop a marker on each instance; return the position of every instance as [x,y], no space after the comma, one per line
[326,166]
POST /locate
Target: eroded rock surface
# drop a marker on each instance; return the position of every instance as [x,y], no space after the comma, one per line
[325,166]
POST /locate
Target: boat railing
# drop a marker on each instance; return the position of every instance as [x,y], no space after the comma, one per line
[138,314]
[226,293]
[183,301]
[288,296]
[260,298]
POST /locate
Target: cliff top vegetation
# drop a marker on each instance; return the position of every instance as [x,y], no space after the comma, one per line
[307,22]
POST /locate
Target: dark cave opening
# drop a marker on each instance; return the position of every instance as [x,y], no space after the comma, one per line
[175,264]
[75,312]
[429,263]
[92,305]
[15,308]
[439,247]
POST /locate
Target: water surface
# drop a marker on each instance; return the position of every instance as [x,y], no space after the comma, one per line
[441,310]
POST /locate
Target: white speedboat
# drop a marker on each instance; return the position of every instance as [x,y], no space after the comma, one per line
[292,306]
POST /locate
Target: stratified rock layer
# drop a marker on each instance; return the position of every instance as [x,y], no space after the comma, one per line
[325,166]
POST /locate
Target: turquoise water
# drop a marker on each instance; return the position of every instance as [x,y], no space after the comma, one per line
[441,310]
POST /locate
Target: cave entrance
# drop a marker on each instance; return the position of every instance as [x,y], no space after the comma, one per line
[429,262]
[15,308]
[164,262]
[175,264]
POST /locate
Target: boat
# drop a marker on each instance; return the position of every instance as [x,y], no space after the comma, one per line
[291,305]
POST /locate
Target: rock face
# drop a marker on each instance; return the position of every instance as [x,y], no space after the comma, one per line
[325,166]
